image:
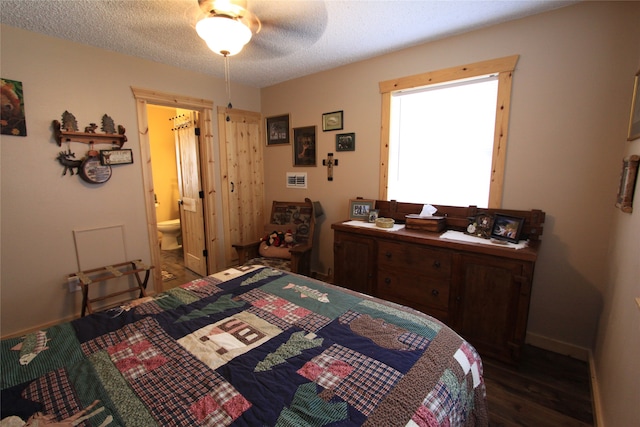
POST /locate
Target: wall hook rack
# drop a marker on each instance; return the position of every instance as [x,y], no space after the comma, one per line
[89,136]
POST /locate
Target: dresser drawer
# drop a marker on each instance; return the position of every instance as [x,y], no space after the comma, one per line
[420,260]
[416,291]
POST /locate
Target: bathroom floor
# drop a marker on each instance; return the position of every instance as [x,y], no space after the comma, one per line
[173,270]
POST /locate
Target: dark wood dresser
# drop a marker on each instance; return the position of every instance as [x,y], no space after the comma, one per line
[481,291]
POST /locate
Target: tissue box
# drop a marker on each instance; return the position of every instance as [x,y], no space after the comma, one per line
[425,223]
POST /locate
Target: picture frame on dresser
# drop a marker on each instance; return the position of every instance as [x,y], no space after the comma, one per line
[359,209]
[480,225]
[506,227]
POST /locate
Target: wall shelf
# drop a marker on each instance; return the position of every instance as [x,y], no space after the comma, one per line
[88,137]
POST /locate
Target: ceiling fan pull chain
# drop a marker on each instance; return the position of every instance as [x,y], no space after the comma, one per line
[227,80]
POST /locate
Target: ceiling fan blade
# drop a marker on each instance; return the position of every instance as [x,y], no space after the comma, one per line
[287,26]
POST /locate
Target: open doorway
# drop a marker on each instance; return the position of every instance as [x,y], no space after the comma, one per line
[206,193]
[176,179]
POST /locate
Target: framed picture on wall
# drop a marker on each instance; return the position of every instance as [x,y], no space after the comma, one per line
[628,183]
[304,146]
[634,118]
[278,131]
[332,121]
[346,142]
[14,121]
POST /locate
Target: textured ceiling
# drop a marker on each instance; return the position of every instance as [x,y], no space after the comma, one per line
[298,37]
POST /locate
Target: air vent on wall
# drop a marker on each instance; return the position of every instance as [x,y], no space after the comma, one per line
[296,180]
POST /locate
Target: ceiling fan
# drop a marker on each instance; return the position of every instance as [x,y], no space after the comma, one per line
[227,26]
[275,28]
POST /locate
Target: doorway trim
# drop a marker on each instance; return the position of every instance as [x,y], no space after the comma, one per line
[207,165]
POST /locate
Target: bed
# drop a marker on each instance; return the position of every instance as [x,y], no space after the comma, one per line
[248,346]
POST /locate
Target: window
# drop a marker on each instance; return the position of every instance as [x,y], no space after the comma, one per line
[441,143]
[444,135]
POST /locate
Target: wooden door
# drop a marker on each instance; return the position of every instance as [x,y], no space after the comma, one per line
[191,206]
[242,170]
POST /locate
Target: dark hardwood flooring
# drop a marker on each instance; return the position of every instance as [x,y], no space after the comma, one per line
[545,389]
[173,263]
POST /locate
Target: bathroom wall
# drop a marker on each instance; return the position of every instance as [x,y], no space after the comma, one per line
[163,155]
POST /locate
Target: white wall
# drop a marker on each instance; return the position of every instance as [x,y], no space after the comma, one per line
[570,108]
[618,344]
[41,208]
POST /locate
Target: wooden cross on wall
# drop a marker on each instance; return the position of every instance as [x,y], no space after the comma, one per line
[330,162]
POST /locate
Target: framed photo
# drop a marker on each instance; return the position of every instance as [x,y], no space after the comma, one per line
[507,228]
[304,146]
[332,121]
[480,225]
[634,118]
[359,209]
[374,214]
[628,183]
[14,121]
[346,142]
[278,130]
[116,157]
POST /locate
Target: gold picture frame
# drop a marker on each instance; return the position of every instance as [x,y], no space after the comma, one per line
[634,117]
[333,121]
[628,183]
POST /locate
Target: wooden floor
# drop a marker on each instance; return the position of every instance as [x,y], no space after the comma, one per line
[546,389]
[173,263]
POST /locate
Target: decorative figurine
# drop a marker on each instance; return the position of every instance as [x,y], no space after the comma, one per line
[67,159]
[108,125]
[69,122]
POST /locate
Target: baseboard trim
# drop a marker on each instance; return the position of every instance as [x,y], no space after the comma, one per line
[40,327]
[560,347]
[595,393]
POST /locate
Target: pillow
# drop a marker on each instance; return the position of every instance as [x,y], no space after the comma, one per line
[273,251]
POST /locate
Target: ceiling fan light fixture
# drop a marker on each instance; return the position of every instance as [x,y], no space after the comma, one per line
[224,35]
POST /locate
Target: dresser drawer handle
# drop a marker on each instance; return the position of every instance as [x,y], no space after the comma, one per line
[435,292]
[387,281]
[388,255]
[436,264]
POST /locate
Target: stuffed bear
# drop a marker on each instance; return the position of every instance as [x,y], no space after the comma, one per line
[289,241]
[276,244]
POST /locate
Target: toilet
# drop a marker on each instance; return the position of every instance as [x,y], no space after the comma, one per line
[171,232]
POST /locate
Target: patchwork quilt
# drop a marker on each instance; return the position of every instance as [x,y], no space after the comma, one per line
[252,346]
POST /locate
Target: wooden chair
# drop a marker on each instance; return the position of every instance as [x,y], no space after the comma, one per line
[299,219]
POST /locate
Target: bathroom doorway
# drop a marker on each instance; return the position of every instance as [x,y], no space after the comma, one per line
[177,184]
[149,99]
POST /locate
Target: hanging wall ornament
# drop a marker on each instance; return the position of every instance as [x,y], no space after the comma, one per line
[92,170]
[69,161]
